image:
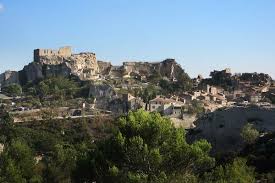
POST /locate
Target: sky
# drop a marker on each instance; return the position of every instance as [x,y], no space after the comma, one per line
[202,35]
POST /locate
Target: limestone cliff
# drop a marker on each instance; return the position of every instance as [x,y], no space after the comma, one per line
[83,65]
[9,77]
[222,128]
[168,68]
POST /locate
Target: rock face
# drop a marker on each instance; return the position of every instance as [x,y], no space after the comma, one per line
[101,90]
[222,128]
[9,77]
[31,72]
[168,68]
[55,63]
[104,95]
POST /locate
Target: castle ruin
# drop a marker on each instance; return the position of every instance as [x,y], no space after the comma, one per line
[65,51]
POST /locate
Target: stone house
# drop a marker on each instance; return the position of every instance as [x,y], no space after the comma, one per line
[132,103]
[160,104]
[177,109]
[166,106]
[187,97]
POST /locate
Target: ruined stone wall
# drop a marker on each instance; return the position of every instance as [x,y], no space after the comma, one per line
[142,68]
[62,52]
[167,68]
[65,51]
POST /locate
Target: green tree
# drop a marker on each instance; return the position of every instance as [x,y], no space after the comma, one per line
[184,82]
[196,107]
[249,133]
[148,148]
[149,93]
[61,165]
[58,87]
[236,172]
[18,164]
[13,90]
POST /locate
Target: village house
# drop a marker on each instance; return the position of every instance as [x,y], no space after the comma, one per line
[187,97]
[177,109]
[133,103]
[166,106]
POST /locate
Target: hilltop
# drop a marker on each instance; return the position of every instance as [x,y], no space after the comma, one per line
[86,67]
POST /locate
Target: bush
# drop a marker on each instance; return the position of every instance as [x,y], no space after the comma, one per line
[13,90]
[249,133]
[235,172]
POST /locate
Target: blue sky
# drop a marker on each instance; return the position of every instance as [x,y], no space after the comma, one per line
[202,35]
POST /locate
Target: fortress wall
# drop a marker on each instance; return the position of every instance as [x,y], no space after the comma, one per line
[63,52]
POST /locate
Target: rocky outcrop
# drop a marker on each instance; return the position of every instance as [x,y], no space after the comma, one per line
[168,68]
[102,94]
[101,91]
[222,128]
[9,77]
[83,65]
[31,72]
[104,67]
[48,62]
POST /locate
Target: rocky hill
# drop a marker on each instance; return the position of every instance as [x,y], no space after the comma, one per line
[85,66]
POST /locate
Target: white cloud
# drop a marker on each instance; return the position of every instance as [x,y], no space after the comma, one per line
[1,7]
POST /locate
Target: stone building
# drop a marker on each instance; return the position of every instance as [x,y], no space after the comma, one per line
[166,106]
[132,103]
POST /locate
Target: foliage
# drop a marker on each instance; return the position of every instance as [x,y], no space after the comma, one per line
[31,102]
[249,133]
[183,84]
[17,164]
[58,87]
[262,154]
[61,164]
[234,172]
[60,161]
[49,113]
[196,107]
[148,93]
[155,77]
[144,147]
[148,148]
[13,90]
